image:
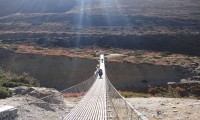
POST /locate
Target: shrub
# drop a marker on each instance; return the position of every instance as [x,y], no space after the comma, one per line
[39,48]
[165,54]
[10,84]
[139,54]
[157,57]
[153,90]
[25,79]
[196,92]
[132,94]
[94,55]
[181,91]
[13,47]
[118,58]
[9,80]
[4,93]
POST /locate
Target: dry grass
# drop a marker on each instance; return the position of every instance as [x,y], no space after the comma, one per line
[128,56]
[66,95]
[128,94]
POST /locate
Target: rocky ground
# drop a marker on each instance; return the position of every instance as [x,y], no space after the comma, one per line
[31,107]
[55,107]
[158,108]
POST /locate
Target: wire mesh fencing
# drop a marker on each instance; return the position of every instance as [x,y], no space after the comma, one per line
[80,89]
[119,108]
[53,105]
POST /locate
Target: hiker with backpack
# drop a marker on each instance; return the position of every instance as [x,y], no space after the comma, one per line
[100,73]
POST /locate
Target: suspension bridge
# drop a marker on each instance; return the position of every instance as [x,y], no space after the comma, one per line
[100,101]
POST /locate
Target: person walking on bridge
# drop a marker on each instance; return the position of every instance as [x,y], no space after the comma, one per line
[100,73]
[102,60]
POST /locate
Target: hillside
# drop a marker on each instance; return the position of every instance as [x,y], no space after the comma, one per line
[150,48]
[164,25]
[9,7]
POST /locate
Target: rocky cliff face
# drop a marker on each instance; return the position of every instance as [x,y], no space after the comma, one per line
[52,71]
[126,75]
[62,72]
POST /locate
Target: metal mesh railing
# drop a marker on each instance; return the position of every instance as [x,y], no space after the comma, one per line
[48,104]
[119,108]
[80,88]
[75,93]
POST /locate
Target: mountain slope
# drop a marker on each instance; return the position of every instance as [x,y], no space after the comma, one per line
[133,24]
[9,7]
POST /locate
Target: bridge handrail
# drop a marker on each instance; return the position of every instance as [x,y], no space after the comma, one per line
[91,78]
[140,115]
[59,91]
[41,100]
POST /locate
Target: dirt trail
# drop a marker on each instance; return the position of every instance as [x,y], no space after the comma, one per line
[157,108]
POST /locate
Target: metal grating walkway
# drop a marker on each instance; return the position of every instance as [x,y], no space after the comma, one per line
[93,105]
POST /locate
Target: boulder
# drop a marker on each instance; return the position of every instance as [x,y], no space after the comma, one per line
[49,95]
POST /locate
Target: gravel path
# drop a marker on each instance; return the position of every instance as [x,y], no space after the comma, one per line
[36,110]
[157,108]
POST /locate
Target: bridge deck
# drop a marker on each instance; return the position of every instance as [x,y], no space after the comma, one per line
[93,105]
